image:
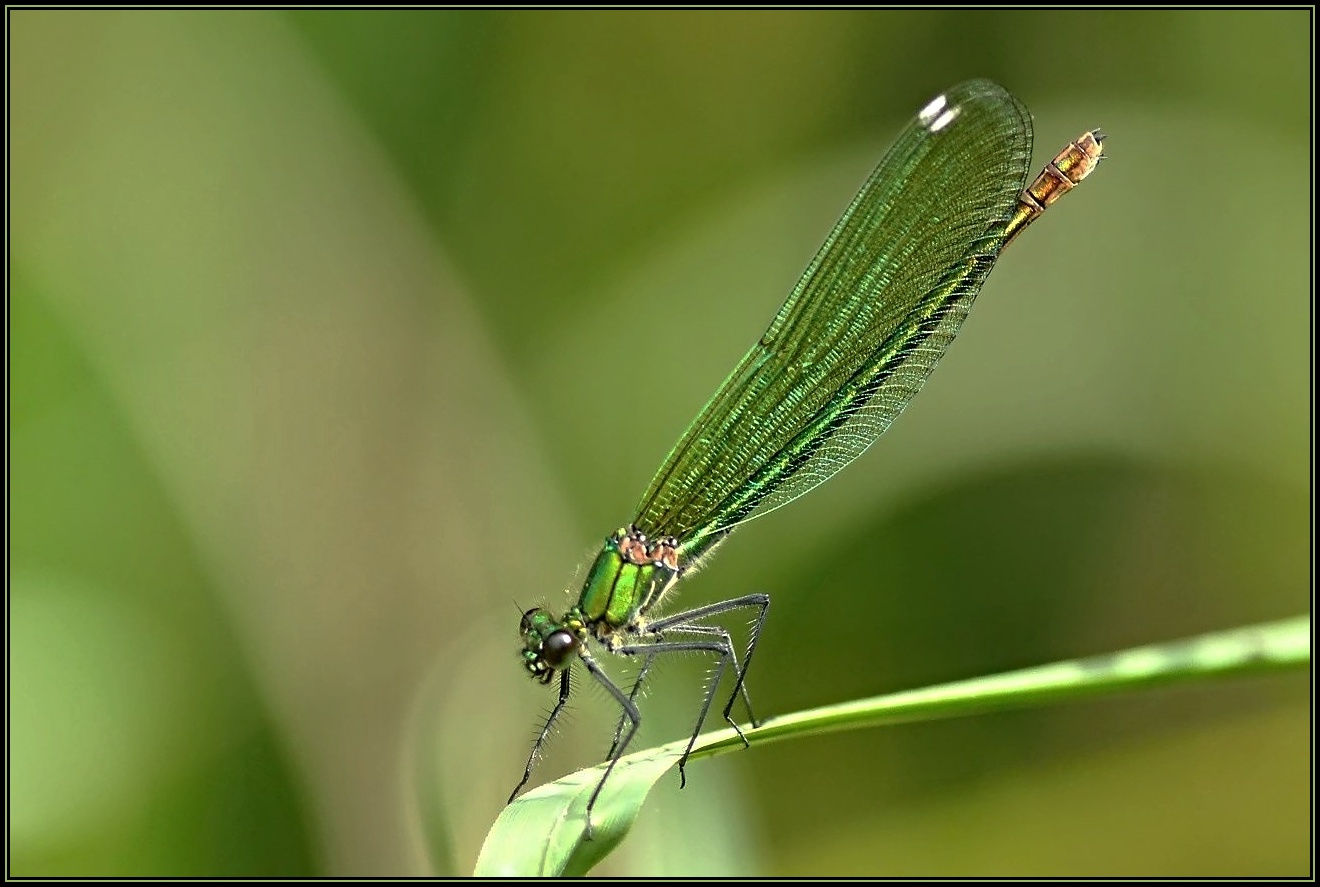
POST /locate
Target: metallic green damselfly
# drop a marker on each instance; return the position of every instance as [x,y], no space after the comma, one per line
[857,337]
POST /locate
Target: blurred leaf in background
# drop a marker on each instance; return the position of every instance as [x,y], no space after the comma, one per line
[317,324]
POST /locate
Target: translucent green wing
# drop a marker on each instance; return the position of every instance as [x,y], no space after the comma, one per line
[864,326]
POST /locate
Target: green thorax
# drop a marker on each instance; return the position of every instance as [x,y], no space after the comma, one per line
[626,579]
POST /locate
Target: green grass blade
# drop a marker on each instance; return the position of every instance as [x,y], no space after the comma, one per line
[542,833]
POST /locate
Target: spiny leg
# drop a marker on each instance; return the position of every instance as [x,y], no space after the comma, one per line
[630,712]
[726,655]
[655,629]
[545,732]
[679,622]
[715,630]
[720,631]
[684,622]
[632,696]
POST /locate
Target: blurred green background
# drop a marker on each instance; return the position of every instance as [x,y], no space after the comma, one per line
[321,328]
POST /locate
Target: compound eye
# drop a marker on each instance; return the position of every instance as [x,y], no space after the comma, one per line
[558,648]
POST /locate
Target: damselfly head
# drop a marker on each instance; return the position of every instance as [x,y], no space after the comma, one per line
[549,644]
